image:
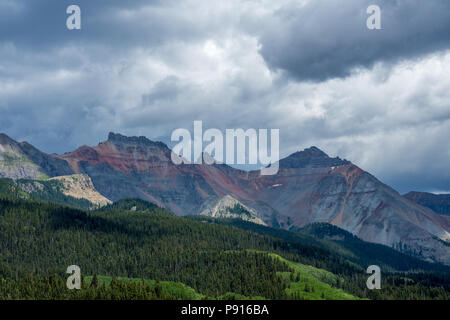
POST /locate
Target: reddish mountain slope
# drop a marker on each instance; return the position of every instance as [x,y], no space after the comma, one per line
[439,203]
[309,187]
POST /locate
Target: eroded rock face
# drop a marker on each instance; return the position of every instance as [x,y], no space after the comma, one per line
[80,186]
[124,167]
[23,161]
[77,186]
[14,163]
[309,187]
[229,207]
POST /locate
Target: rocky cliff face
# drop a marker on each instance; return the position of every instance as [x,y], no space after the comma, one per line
[229,207]
[14,163]
[439,203]
[124,167]
[23,161]
[309,187]
[65,189]
[80,186]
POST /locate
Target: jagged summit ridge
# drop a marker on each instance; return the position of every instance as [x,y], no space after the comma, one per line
[23,161]
[311,157]
[229,207]
[141,140]
[4,139]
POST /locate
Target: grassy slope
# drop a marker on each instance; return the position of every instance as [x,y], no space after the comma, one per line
[318,281]
[311,277]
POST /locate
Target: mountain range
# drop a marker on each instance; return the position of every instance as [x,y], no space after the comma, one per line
[439,203]
[310,187]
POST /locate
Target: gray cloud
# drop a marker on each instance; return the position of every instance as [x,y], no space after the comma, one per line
[328,38]
[146,68]
[115,24]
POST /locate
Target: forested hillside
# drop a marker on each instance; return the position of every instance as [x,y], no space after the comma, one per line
[45,190]
[131,239]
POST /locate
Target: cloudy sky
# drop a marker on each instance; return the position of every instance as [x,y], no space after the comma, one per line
[380,98]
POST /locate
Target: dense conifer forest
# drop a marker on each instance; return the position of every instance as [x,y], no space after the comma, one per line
[209,258]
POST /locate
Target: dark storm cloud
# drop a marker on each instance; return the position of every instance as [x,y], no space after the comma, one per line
[41,25]
[149,67]
[328,38]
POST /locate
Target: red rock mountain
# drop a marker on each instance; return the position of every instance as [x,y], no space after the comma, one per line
[439,203]
[309,187]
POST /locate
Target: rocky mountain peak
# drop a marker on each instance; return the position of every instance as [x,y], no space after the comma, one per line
[117,138]
[6,140]
[311,157]
[229,207]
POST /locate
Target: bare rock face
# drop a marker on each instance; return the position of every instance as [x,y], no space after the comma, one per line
[77,186]
[23,161]
[346,196]
[14,163]
[136,167]
[80,186]
[309,187]
[229,207]
[377,213]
